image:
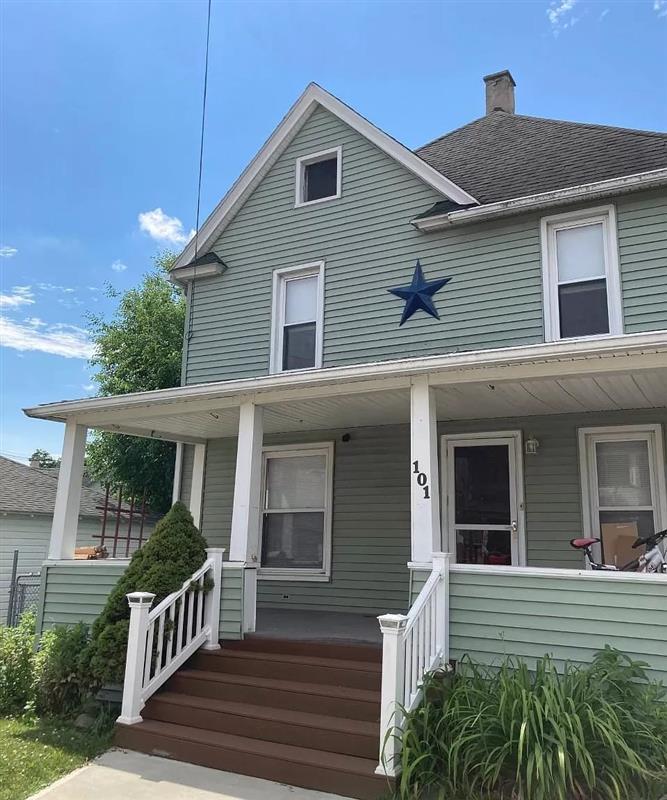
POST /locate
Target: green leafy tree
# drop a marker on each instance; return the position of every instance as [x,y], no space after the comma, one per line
[174,551]
[44,459]
[139,349]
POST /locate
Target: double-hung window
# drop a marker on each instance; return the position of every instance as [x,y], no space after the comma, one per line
[623,487]
[296,518]
[298,296]
[582,295]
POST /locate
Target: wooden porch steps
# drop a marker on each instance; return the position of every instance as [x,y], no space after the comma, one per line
[302,713]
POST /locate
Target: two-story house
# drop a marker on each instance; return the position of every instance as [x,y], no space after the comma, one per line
[410,378]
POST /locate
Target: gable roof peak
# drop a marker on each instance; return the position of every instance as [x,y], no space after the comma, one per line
[275,145]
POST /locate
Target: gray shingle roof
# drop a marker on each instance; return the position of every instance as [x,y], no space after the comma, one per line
[502,156]
[29,490]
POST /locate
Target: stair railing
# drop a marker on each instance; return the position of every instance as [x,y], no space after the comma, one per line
[412,646]
[161,640]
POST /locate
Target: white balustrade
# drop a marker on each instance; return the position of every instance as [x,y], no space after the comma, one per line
[412,646]
[162,639]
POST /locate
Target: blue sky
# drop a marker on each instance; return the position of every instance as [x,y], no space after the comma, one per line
[100,118]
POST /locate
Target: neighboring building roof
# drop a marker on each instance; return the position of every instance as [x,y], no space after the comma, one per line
[28,490]
[502,156]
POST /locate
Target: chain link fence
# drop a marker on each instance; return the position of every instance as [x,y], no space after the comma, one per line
[23,593]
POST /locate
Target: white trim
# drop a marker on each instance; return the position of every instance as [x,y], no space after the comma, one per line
[300,176]
[294,451]
[116,562]
[197,483]
[280,278]
[178,474]
[549,227]
[563,358]
[652,434]
[514,441]
[425,526]
[182,275]
[560,572]
[571,194]
[64,524]
[313,96]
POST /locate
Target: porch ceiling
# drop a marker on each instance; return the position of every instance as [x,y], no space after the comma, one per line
[392,406]
[620,373]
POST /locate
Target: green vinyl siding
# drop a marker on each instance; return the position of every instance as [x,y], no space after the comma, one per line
[365,238]
[371,513]
[642,244]
[77,591]
[31,535]
[371,521]
[493,616]
[551,477]
[231,602]
[368,245]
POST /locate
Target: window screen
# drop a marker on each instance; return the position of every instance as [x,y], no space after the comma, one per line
[294,512]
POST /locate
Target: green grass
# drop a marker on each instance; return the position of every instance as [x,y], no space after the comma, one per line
[36,752]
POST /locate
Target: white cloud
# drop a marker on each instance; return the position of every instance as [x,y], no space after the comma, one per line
[54,287]
[560,15]
[7,252]
[68,341]
[163,228]
[118,266]
[89,387]
[20,296]
[660,7]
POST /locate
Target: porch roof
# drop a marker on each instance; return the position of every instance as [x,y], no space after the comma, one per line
[617,372]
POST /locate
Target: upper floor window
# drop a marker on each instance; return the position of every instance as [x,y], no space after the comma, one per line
[318,176]
[298,294]
[582,295]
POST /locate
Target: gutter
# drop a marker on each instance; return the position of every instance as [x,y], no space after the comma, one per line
[565,350]
[573,194]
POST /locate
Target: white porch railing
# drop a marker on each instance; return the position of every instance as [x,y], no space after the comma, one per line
[412,646]
[161,640]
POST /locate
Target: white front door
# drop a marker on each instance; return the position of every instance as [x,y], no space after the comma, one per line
[483,491]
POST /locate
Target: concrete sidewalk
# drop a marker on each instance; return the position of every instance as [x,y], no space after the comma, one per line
[121,775]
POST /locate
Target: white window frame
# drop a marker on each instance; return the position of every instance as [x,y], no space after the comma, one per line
[280,278]
[290,451]
[588,438]
[313,158]
[606,215]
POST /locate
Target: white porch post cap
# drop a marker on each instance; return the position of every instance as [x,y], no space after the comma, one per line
[392,623]
[140,598]
[214,551]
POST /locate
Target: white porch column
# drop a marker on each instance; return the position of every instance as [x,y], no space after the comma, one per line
[68,494]
[424,477]
[178,474]
[197,486]
[246,512]
[391,701]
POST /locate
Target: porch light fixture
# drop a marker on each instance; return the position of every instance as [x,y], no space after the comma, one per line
[532,446]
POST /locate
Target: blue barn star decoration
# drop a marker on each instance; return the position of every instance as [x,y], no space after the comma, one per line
[419,294]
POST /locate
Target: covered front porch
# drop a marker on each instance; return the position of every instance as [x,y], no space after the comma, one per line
[331,489]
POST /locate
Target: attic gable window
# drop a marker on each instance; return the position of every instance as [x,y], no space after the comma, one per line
[298,296]
[582,295]
[319,176]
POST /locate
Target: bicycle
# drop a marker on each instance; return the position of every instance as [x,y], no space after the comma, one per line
[651,560]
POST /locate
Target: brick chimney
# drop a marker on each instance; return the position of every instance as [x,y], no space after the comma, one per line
[500,92]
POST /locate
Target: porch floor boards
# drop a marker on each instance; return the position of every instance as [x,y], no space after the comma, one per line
[317,626]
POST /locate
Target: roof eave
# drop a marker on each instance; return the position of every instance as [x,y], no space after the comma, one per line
[587,191]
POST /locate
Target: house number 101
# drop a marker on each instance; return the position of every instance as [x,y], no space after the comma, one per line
[422,480]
